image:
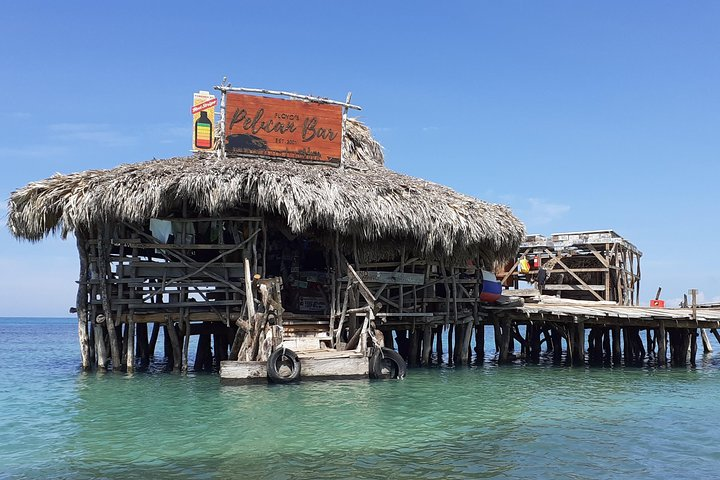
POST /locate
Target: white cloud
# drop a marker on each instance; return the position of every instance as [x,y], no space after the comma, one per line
[430,129]
[542,212]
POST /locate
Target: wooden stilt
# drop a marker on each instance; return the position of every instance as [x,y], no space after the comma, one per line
[627,347]
[175,342]
[579,340]
[497,334]
[154,339]
[82,302]
[607,350]
[142,348]
[693,333]
[707,348]
[616,349]
[100,347]
[439,343]
[426,345]
[557,344]
[466,338]
[661,339]
[413,353]
[220,345]
[203,355]
[186,342]
[130,343]
[480,342]
[505,339]
[102,261]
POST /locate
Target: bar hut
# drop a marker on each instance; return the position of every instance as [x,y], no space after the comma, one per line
[272,262]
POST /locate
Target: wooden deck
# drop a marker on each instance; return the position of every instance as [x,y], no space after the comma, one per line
[609,314]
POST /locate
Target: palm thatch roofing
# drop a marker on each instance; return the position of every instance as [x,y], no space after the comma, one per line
[361,198]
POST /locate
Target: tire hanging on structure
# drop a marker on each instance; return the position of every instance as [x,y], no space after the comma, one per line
[386,363]
[283,366]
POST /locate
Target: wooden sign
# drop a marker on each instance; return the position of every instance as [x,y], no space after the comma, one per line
[275,127]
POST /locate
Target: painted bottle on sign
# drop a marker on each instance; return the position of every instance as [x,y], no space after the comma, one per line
[203,131]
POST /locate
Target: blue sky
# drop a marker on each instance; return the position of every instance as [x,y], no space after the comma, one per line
[578,115]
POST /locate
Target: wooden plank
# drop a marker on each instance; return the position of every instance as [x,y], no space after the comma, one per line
[159,270]
[393,278]
[325,368]
[364,291]
[575,276]
[171,246]
[581,288]
[243,372]
[314,366]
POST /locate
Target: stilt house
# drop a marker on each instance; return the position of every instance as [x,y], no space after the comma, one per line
[180,245]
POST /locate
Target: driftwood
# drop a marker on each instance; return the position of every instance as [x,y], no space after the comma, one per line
[261,333]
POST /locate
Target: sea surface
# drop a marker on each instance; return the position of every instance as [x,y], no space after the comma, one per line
[485,421]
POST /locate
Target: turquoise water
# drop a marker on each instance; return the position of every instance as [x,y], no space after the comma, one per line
[517,421]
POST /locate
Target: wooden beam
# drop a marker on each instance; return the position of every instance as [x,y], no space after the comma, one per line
[576,277]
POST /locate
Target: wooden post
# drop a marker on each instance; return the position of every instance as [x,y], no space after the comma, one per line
[175,342]
[505,338]
[606,344]
[82,301]
[579,344]
[154,339]
[480,341]
[130,364]
[693,344]
[141,345]
[616,349]
[100,348]
[413,353]
[661,338]
[102,261]
[627,346]
[427,344]
[467,337]
[707,348]
[439,343]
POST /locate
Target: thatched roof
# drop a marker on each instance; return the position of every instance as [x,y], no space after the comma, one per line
[362,198]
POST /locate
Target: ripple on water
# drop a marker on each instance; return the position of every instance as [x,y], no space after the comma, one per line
[480,422]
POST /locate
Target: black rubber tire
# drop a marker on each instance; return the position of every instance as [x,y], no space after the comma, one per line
[387,364]
[283,366]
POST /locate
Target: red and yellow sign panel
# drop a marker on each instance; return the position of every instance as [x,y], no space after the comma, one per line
[203,111]
[277,127]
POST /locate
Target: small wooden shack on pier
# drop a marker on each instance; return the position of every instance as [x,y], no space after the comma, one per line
[584,291]
[230,247]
